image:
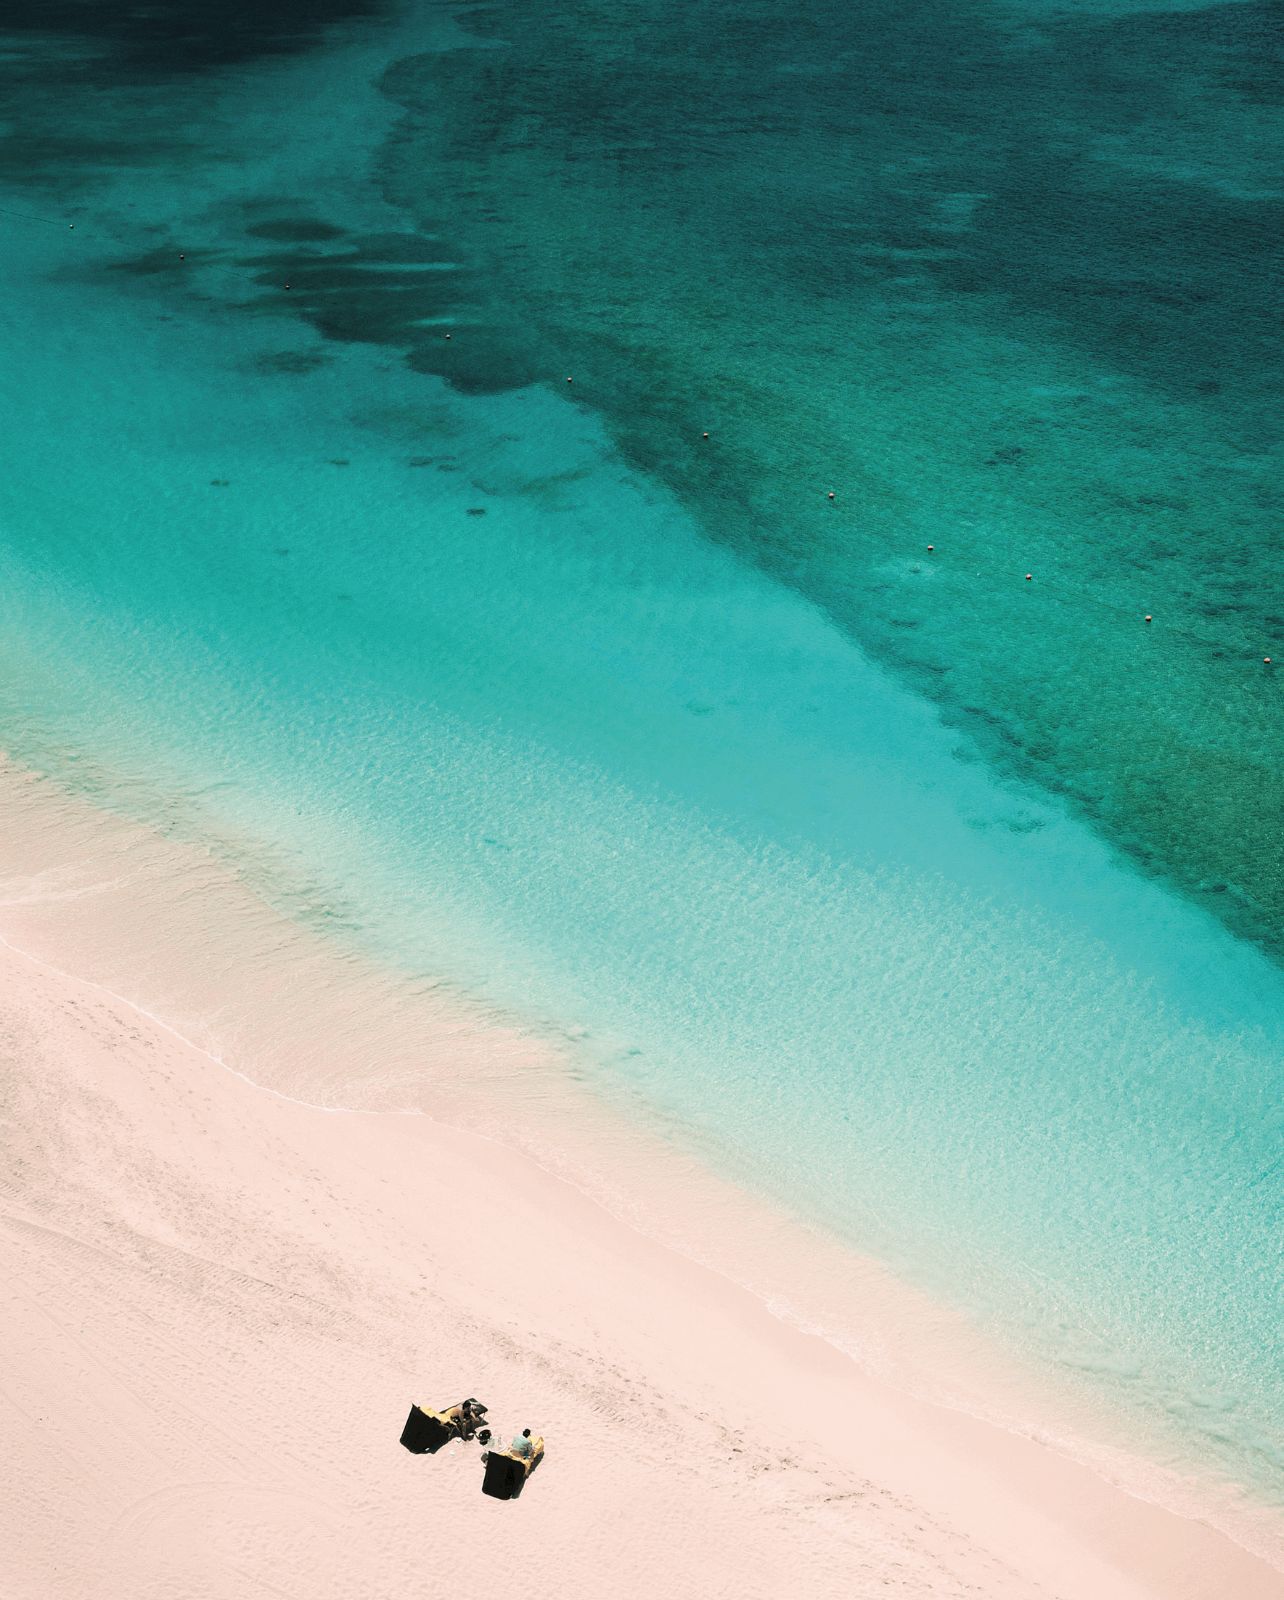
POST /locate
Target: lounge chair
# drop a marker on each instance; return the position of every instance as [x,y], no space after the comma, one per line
[426,1431]
[507,1472]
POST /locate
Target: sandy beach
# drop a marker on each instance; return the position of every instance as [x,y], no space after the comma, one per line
[222,1296]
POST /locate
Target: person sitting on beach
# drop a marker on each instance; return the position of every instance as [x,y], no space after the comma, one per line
[522,1446]
[466,1417]
[472,1415]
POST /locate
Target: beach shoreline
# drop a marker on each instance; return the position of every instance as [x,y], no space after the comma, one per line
[204,1119]
[447,678]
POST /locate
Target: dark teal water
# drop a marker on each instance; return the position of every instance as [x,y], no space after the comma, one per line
[1005,278]
[935,901]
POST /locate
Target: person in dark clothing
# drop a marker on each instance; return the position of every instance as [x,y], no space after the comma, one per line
[472,1415]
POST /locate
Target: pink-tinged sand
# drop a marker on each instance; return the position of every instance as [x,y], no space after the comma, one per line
[221,1297]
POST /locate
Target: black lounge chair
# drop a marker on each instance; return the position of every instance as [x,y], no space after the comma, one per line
[426,1431]
[506,1473]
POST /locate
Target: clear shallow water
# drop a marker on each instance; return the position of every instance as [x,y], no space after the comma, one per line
[513,716]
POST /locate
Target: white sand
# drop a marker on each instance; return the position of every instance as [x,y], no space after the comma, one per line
[219,1303]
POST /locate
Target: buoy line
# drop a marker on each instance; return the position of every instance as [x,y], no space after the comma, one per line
[31,216]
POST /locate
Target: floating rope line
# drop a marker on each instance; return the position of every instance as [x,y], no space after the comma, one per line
[1065,594]
[30,216]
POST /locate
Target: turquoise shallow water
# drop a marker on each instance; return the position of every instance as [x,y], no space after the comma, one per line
[532,691]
